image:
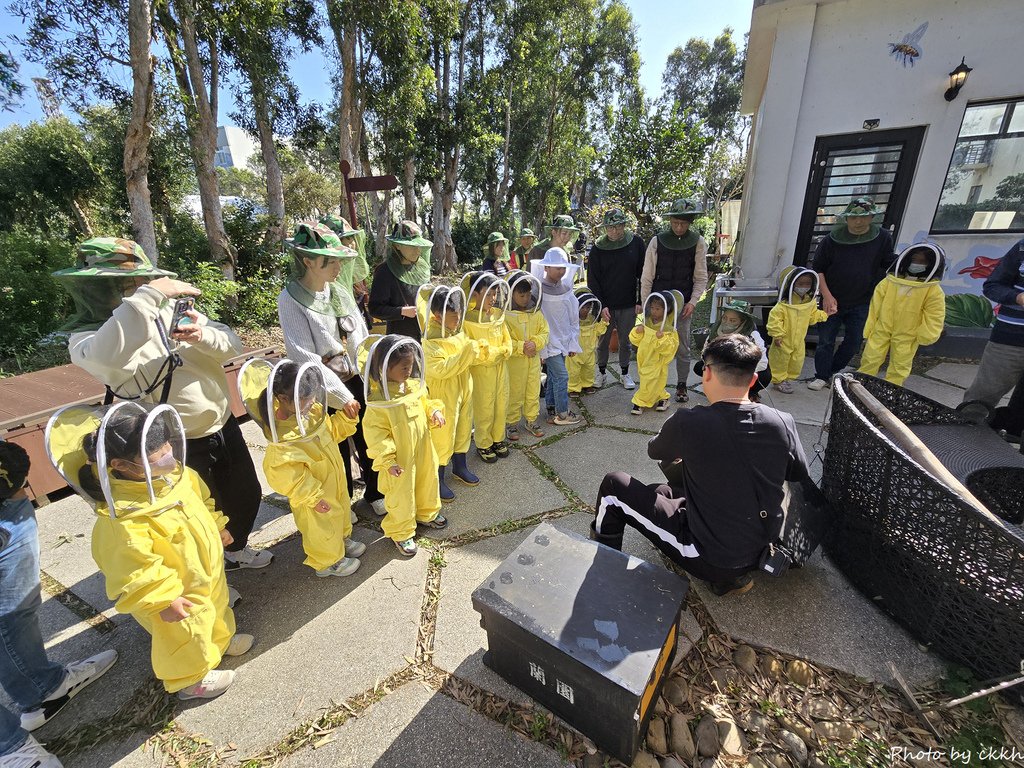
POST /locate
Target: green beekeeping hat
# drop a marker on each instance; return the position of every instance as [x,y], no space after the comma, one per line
[313,239]
[339,225]
[563,222]
[112,257]
[408,233]
[684,208]
[496,237]
[862,206]
[526,232]
[614,217]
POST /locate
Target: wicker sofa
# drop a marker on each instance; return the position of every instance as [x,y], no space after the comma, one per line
[954,577]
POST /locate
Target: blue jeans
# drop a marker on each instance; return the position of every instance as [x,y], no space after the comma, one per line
[26,673]
[828,361]
[557,389]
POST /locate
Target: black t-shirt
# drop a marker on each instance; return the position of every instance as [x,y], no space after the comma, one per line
[852,271]
[728,450]
[614,275]
[387,297]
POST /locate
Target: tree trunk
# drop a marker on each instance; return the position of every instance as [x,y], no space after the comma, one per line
[140,127]
[201,122]
[409,186]
[275,181]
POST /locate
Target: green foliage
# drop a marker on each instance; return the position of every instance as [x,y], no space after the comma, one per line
[707,79]
[32,304]
[862,753]
[966,310]
[1011,188]
[11,89]
[257,300]
[469,236]
[957,216]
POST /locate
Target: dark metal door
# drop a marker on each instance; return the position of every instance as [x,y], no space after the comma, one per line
[879,165]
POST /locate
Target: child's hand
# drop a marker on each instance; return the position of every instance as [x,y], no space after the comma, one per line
[177,610]
[572,354]
[322,507]
[226,538]
[395,471]
[437,419]
[659,334]
[639,330]
[351,409]
[776,342]
[530,348]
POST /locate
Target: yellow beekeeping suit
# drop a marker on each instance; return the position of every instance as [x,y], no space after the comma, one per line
[523,371]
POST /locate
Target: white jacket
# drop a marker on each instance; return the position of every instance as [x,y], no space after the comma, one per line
[563,316]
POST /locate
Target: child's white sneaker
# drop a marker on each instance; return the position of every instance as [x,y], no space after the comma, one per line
[816,385]
[210,687]
[247,557]
[627,382]
[354,548]
[239,645]
[378,507]
[344,567]
[31,754]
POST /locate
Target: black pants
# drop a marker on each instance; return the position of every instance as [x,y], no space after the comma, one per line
[659,513]
[224,463]
[369,476]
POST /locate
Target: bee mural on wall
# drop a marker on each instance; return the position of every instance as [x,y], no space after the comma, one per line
[908,50]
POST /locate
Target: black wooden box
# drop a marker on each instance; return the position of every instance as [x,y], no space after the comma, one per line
[585,630]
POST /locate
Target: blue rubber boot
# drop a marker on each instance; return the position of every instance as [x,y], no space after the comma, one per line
[461,470]
[447,494]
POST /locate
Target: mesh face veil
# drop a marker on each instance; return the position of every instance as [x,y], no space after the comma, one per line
[662,304]
[123,456]
[487,298]
[440,311]
[590,310]
[394,369]
[287,399]
[525,291]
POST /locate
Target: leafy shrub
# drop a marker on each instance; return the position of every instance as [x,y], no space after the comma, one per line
[966,310]
[469,236]
[32,303]
[257,300]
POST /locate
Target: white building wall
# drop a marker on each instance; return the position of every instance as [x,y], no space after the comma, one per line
[847,75]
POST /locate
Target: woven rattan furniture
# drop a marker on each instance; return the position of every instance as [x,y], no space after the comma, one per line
[953,576]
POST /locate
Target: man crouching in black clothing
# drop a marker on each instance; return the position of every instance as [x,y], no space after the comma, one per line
[726,463]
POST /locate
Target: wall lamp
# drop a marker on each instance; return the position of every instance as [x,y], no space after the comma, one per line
[957,78]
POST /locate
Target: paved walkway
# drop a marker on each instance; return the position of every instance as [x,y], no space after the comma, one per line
[384,668]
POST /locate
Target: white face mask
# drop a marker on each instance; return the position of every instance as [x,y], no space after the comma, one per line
[917,269]
[801,291]
[728,327]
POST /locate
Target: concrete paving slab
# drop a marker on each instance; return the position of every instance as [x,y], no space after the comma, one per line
[526,439]
[459,641]
[509,490]
[252,433]
[317,641]
[815,613]
[611,406]
[273,522]
[583,459]
[417,727]
[127,752]
[943,393]
[958,374]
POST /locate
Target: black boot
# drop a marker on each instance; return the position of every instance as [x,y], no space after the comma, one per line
[614,540]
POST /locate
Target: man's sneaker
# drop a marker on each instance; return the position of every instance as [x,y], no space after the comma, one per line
[636,410]
[210,687]
[816,385]
[534,429]
[681,395]
[77,676]
[487,454]
[785,387]
[234,597]
[512,433]
[438,522]
[735,587]
[600,378]
[627,382]
[354,548]
[353,516]
[247,557]
[500,450]
[240,644]
[407,547]
[344,567]
[661,405]
[30,755]
[566,419]
[378,507]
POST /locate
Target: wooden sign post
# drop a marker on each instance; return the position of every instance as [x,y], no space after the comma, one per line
[363,184]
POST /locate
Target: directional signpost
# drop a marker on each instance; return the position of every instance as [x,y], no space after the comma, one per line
[363,184]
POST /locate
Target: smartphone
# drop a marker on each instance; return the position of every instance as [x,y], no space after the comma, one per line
[179,318]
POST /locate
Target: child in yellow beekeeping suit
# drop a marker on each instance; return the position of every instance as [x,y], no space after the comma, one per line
[656,340]
[487,301]
[397,422]
[448,353]
[908,309]
[788,321]
[302,461]
[592,328]
[528,330]
[157,537]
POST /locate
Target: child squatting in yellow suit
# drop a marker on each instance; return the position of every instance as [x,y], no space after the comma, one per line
[788,321]
[487,300]
[396,424]
[448,353]
[592,328]
[908,309]
[302,460]
[528,330]
[157,538]
[656,341]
